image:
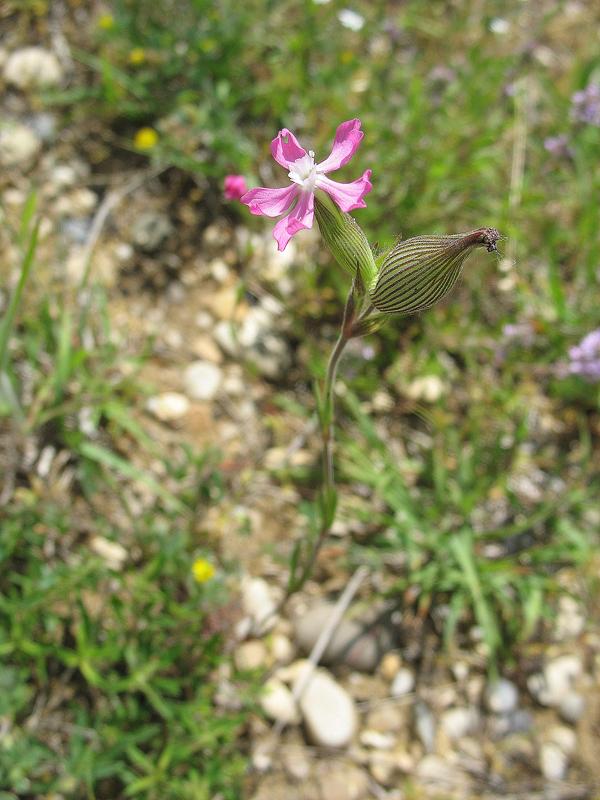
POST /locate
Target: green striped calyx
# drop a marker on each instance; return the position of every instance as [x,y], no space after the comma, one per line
[419,272]
[345,239]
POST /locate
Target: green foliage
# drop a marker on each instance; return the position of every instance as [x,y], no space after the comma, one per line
[113,665]
[107,686]
[431,521]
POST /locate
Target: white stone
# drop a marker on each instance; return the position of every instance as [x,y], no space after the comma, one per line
[564,737]
[202,380]
[234,384]
[328,711]
[225,337]
[282,649]
[78,203]
[169,406]
[352,643]
[256,324]
[572,707]
[63,175]
[557,680]
[560,675]
[278,703]
[570,620]
[553,762]
[250,655]
[377,740]
[18,145]
[31,67]
[429,388]
[291,673]
[113,553]
[351,19]
[502,696]
[403,683]
[259,604]
[459,722]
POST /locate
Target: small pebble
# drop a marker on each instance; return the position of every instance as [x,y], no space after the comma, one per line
[328,711]
[113,553]
[282,649]
[353,643]
[572,707]
[564,737]
[403,683]
[459,722]
[377,740]
[502,696]
[202,380]
[570,620]
[259,604]
[31,67]
[553,762]
[169,406]
[19,145]
[250,655]
[387,717]
[389,666]
[278,703]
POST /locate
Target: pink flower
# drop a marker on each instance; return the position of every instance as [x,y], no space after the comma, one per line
[306,177]
[234,187]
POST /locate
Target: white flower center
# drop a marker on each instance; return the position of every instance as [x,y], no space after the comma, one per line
[304,172]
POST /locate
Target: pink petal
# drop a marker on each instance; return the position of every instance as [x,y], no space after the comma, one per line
[270,202]
[234,187]
[286,149]
[347,138]
[301,217]
[348,196]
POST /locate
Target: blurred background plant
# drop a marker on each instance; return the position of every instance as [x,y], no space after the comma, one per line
[112,619]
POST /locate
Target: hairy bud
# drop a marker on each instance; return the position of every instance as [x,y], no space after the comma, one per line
[419,272]
[345,239]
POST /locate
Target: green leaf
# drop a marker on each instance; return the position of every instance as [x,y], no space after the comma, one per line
[109,459]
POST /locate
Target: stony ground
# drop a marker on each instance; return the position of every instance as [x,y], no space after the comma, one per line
[387,713]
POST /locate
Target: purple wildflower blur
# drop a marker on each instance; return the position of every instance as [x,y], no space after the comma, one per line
[558,146]
[586,105]
[584,358]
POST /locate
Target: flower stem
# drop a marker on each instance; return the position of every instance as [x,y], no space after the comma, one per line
[326,415]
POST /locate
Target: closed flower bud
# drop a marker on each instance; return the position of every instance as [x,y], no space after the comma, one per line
[419,272]
[345,239]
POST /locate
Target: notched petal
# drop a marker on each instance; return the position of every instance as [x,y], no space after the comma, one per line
[270,202]
[347,139]
[348,196]
[286,149]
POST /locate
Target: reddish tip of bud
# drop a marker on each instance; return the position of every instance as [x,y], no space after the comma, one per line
[488,237]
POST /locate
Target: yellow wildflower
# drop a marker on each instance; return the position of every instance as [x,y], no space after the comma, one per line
[137,56]
[145,139]
[106,22]
[203,570]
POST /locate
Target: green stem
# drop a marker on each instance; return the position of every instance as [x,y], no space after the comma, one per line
[327,413]
[15,300]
